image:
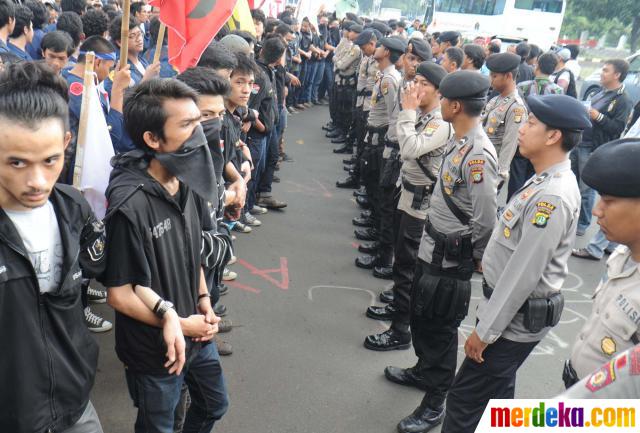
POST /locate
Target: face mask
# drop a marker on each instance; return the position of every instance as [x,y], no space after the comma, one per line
[193,166]
[212,129]
[323,27]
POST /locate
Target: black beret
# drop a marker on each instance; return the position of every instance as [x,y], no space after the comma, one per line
[394,44]
[366,36]
[433,72]
[353,17]
[612,169]
[356,28]
[503,62]
[381,27]
[448,36]
[420,48]
[465,85]
[559,111]
[474,49]
[346,25]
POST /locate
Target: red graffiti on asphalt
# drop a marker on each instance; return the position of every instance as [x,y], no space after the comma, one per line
[266,274]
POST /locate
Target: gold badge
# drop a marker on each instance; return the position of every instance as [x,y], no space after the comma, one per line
[491,130]
[508,215]
[447,177]
[456,159]
[507,232]
[608,346]
[448,190]
[493,120]
[518,113]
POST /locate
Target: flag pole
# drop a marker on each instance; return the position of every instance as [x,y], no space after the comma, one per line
[159,43]
[88,87]
[124,33]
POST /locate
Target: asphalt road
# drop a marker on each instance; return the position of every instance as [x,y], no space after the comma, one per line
[299,365]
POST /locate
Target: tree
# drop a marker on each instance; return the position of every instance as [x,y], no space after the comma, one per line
[627,12]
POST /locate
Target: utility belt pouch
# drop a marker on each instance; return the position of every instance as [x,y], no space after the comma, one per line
[554,308]
[453,246]
[569,375]
[535,315]
[418,196]
[391,170]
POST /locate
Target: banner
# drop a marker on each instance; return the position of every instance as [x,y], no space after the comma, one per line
[241,18]
[192,25]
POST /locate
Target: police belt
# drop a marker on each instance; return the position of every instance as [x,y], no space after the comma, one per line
[419,192]
[377,129]
[365,92]
[539,313]
[453,247]
[392,144]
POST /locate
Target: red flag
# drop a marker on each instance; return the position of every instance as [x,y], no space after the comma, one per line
[192,24]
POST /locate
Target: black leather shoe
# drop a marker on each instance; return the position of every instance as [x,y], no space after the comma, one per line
[340,139]
[364,203]
[367,234]
[350,161]
[369,247]
[333,133]
[220,310]
[349,182]
[349,168]
[404,376]
[384,272]
[328,127]
[224,289]
[365,214]
[362,192]
[366,262]
[362,222]
[388,340]
[343,149]
[385,312]
[386,296]
[421,420]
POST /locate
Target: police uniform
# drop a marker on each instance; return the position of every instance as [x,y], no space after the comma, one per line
[460,219]
[343,46]
[614,323]
[525,265]
[503,116]
[422,138]
[452,37]
[382,101]
[367,76]
[346,76]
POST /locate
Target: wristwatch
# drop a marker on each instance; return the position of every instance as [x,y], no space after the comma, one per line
[162,308]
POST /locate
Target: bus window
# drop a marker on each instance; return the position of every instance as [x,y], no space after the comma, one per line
[477,7]
[553,6]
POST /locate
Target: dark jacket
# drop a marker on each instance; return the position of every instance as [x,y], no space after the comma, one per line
[615,107]
[49,358]
[154,240]
[263,100]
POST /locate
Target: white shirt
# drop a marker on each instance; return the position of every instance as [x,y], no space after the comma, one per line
[40,235]
[574,67]
[634,131]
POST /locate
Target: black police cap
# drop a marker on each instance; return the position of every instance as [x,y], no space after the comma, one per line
[356,28]
[346,25]
[465,85]
[559,111]
[366,36]
[381,27]
[503,62]
[433,72]
[353,17]
[420,48]
[394,44]
[448,36]
[612,169]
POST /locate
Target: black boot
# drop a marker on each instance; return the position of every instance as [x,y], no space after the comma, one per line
[339,140]
[334,133]
[383,272]
[364,203]
[385,312]
[343,149]
[362,222]
[349,182]
[386,296]
[404,376]
[421,420]
[362,192]
[366,262]
[369,247]
[368,234]
[388,340]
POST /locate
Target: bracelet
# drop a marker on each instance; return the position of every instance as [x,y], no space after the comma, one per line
[155,309]
[204,295]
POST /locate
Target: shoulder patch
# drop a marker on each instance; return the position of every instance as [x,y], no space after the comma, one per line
[431,127]
[385,87]
[601,378]
[518,112]
[543,213]
[76,88]
[475,162]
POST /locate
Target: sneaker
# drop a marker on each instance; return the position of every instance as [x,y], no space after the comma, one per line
[275,179]
[224,348]
[96,323]
[250,220]
[224,289]
[232,260]
[229,275]
[258,210]
[96,296]
[271,203]
[224,325]
[241,228]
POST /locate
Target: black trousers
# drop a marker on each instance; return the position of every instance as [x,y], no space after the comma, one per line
[435,338]
[359,135]
[475,384]
[346,102]
[372,160]
[389,196]
[333,103]
[404,265]
[520,171]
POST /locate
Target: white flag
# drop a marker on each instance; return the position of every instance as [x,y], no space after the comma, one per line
[96,155]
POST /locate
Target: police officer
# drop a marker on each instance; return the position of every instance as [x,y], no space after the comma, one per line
[504,114]
[614,323]
[459,222]
[422,136]
[525,264]
[346,75]
[387,54]
[367,75]
[446,40]
[343,46]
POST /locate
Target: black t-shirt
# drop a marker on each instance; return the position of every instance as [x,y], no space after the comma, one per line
[305,41]
[154,242]
[230,133]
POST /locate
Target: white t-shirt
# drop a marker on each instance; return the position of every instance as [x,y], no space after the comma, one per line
[574,67]
[40,235]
